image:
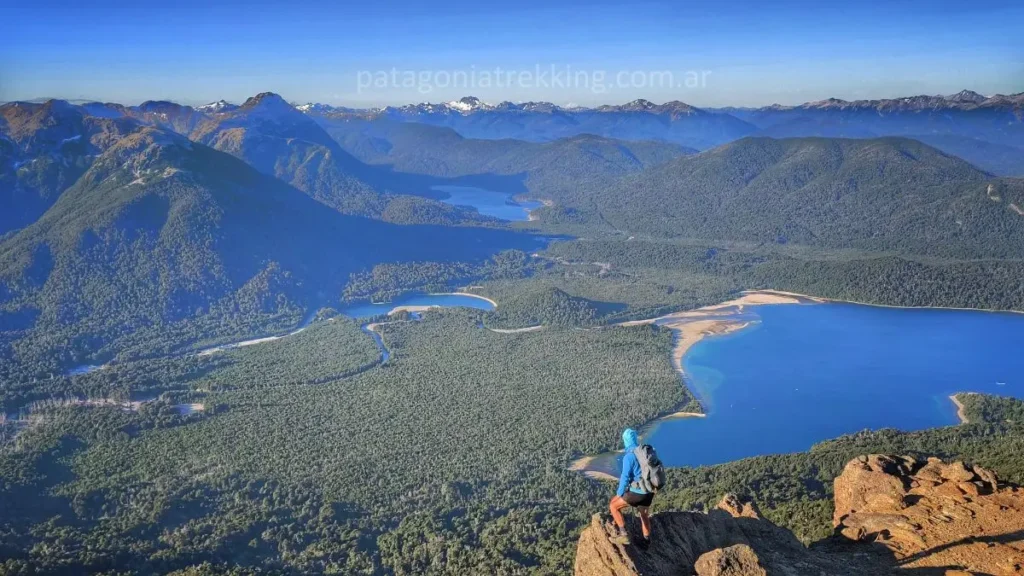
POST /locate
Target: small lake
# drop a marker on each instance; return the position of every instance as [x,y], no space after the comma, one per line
[83,369]
[807,373]
[488,202]
[439,300]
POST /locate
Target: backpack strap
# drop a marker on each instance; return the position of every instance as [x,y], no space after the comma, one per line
[638,482]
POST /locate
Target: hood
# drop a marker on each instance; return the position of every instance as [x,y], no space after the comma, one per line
[629,439]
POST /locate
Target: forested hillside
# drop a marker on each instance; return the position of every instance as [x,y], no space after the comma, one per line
[884,195]
[987,132]
[44,148]
[542,169]
[279,140]
[161,231]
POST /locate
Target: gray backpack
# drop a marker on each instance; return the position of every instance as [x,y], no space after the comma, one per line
[652,471]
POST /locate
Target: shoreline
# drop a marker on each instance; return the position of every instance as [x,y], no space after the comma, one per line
[590,467]
[691,327]
[470,294]
[823,300]
[517,330]
[419,308]
[530,216]
[306,322]
[960,408]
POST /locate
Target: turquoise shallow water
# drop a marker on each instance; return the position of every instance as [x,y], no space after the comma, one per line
[489,203]
[447,300]
[808,373]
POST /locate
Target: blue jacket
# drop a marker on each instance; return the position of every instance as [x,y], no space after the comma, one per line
[630,466]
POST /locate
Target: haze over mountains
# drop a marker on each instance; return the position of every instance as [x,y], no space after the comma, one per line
[984,130]
[210,207]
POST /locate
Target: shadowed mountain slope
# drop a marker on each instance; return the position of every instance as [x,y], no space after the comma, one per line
[161,229]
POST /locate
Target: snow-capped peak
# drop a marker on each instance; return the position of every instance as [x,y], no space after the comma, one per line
[315,108]
[468,104]
[215,107]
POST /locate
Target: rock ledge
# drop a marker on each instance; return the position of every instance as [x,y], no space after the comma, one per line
[893,515]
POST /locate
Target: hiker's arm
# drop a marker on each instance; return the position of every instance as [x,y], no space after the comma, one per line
[627,469]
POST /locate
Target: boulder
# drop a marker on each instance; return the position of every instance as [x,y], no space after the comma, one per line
[931,514]
[736,560]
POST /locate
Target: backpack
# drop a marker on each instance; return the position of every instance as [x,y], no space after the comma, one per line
[652,471]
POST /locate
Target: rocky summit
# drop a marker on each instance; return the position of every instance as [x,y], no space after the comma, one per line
[893,515]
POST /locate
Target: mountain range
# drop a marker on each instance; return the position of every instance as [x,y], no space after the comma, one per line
[160,229]
[121,217]
[541,169]
[987,131]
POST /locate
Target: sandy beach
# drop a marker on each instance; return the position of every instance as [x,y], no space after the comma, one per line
[418,308]
[960,409]
[470,294]
[517,330]
[593,468]
[692,326]
[690,332]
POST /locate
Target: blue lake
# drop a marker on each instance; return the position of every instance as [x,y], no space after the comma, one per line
[807,373]
[488,202]
[445,300]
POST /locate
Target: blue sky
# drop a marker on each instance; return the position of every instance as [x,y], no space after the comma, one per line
[725,53]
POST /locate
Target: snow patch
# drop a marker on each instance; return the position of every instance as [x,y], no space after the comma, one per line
[216,107]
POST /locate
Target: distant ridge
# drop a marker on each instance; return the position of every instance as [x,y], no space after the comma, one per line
[468,104]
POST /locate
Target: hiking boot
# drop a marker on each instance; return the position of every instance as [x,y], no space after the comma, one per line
[620,537]
[644,543]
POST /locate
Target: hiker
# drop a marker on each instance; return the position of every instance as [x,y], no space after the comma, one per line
[642,476]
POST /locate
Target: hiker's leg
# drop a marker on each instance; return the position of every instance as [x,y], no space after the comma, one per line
[645,521]
[615,507]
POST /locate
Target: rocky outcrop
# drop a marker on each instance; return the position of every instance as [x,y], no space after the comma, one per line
[731,540]
[893,515]
[930,514]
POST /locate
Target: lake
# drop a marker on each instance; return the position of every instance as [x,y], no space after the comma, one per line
[488,202]
[416,301]
[807,373]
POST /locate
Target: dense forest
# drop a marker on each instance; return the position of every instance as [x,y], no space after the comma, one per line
[463,471]
[886,194]
[463,464]
[170,257]
[657,270]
